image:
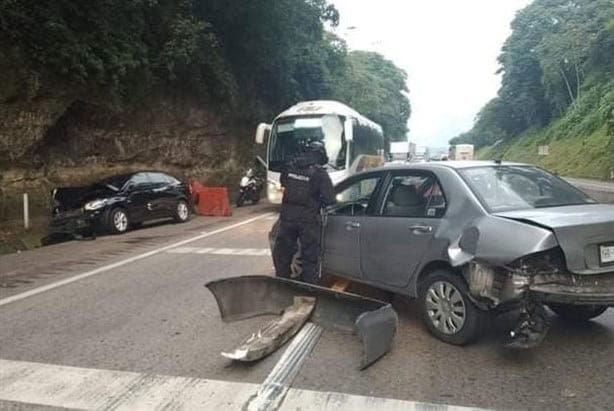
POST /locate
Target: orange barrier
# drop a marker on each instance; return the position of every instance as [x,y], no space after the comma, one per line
[194,187]
[212,201]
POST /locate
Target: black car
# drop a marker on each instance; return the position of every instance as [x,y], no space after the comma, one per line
[118,203]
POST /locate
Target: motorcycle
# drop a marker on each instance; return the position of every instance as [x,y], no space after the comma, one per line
[250,188]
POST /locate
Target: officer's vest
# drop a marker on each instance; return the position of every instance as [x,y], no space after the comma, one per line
[300,187]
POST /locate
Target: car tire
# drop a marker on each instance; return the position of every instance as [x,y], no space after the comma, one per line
[446,309]
[182,211]
[578,313]
[118,222]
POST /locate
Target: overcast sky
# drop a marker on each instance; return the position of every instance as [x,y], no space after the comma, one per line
[448,49]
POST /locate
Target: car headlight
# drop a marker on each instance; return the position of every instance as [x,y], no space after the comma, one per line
[95,205]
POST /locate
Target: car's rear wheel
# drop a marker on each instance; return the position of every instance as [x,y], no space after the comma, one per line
[119,221]
[446,309]
[578,312]
[182,211]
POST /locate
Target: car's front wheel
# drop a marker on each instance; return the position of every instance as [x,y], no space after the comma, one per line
[446,309]
[578,312]
[182,211]
[119,221]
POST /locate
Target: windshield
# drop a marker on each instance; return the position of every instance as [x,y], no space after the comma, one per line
[509,188]
[115,182]
[290,135]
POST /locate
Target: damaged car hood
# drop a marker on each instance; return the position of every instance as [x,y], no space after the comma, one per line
[70,198]
[580,231]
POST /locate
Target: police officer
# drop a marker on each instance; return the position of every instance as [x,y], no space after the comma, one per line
[307,188]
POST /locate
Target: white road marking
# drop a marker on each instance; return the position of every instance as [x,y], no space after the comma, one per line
[276,386]
[91,389]
[253,252]
[109,267]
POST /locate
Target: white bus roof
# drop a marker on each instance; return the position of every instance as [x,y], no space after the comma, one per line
[328,107]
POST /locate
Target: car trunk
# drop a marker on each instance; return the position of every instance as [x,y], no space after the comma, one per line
[584,232]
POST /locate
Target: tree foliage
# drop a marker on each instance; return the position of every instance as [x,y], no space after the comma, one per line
[558,50]
[376,87]
[253,56]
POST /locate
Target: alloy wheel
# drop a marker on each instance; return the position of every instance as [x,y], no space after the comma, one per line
[445,307]
[182,211]
[120,221]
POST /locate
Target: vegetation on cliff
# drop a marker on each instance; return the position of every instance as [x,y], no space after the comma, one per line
[244,59]
[557,68]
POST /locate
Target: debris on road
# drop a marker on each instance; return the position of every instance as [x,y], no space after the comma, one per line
[374,321]
[276,333]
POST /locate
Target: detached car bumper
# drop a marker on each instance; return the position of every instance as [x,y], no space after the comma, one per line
[575,289]
[75,222]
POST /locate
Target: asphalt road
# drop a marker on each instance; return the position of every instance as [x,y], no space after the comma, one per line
[149,313]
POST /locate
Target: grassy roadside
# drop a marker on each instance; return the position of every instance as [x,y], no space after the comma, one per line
[13,237]
[581,142]
[591,156]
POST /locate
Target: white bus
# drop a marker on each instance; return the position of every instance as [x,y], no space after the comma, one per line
[352,141]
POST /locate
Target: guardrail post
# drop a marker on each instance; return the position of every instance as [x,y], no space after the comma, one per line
[26,212]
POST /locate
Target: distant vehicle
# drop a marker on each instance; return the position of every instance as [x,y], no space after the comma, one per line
[250,188]
[473,239]
[352,141]
[118,203]
[421,154]
[402,150]
[461,152]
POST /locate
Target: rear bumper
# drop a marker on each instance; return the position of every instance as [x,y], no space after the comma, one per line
[575,289]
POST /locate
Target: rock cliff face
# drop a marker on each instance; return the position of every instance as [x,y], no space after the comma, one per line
[67,140]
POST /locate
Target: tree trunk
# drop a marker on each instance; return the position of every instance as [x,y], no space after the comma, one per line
[569,90]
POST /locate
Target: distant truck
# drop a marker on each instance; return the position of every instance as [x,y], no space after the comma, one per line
[461,152]
[402,150]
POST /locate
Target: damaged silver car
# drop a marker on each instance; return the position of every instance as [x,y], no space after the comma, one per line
[470,240]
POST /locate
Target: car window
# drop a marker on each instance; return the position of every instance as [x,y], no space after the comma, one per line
[140,180]
[355,198]
[509,188]
[414,196]
[159,179]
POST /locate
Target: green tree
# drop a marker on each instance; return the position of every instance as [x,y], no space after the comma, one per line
[378,89]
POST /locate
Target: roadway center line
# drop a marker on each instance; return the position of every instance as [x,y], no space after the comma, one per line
[92,389]
[251,252]
[138,257]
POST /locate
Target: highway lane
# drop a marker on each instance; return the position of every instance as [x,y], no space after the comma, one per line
[154,316]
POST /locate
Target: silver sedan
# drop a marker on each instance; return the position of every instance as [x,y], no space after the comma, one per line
[471,239]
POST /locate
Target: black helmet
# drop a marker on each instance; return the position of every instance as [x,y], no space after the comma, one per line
[319,150]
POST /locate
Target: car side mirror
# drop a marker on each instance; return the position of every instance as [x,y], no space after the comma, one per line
[348,128]
[262,132]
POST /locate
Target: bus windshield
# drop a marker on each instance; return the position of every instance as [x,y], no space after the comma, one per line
[290,135]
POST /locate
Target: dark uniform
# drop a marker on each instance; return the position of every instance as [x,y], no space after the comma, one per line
[307,188]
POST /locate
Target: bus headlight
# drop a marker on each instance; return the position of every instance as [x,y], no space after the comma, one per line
[275,192]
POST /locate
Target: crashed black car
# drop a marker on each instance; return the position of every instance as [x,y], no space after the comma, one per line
[117,203]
